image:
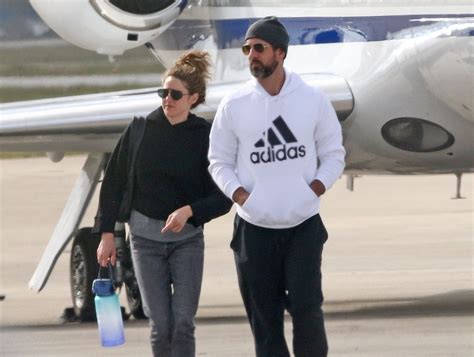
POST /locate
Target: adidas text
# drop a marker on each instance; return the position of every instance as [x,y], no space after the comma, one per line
[282,154]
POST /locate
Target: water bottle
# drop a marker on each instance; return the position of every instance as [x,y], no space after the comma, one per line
[108,311]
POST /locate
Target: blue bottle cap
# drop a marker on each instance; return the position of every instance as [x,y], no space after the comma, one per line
[103,287]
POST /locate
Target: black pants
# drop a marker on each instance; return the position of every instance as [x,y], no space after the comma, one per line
[278,269]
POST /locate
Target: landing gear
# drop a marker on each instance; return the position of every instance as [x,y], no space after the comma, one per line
[124,272]
[131,289]
[458,186]
[84,269]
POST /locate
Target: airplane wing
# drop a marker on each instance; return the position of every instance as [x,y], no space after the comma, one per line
[93,123]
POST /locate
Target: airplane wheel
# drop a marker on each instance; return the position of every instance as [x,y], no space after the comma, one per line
[133,292]
[83,270]
[134,300]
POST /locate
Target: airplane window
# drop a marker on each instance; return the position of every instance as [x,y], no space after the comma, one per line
[141,7]
[416,135]
[329,36]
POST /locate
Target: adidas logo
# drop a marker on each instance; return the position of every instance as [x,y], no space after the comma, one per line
[272,154]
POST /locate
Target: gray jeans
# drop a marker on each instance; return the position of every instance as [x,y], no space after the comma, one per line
[169,276]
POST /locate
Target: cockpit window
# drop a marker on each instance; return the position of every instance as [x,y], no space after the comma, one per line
[141,7]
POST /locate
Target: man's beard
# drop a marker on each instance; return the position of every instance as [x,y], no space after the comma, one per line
[260,71]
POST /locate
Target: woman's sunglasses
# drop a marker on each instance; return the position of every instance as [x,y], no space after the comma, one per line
[259,47]
[175,94]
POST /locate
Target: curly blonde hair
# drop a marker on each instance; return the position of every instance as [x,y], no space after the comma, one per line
[193,69]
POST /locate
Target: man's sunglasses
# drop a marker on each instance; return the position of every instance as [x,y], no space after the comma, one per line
[259,47]
[175,94]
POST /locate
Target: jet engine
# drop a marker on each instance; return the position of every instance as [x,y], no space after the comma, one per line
[109,26]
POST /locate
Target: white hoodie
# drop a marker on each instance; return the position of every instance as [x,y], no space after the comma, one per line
[274,147]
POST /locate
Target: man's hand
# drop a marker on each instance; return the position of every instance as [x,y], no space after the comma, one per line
[106,251]
[177,219]
[240,196]
[318,187]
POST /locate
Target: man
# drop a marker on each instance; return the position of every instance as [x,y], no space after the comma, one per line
[275,148]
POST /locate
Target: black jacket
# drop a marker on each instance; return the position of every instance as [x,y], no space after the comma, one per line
[170,172]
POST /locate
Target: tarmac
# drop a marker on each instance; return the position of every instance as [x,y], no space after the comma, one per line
[397,271]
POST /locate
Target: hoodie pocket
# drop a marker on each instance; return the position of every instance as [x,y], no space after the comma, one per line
[280,202]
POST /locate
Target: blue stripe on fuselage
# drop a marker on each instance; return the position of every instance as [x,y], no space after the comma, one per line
[229,33]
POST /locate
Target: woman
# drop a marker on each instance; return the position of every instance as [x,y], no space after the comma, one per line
[173,196]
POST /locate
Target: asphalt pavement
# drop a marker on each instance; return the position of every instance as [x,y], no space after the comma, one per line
[397,271]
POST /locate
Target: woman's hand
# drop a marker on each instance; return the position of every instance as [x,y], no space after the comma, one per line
[177,219]
[106,251]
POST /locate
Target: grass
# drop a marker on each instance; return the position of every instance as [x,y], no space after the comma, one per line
[70,60]
[16,94]
[25,155]
[20,155]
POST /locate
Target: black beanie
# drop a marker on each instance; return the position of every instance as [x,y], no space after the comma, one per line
[271,30]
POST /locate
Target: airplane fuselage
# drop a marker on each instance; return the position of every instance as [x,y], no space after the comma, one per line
[410,69]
